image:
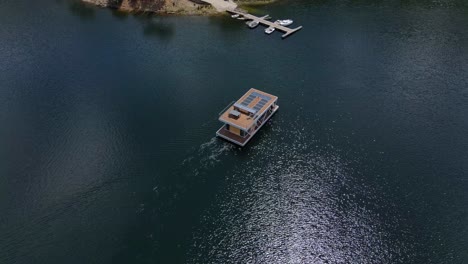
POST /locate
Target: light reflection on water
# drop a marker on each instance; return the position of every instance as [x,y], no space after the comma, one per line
[287,204]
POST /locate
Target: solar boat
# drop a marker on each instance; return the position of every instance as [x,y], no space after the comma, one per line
[242,119]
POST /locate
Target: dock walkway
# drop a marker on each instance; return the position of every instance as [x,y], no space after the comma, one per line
[261,20]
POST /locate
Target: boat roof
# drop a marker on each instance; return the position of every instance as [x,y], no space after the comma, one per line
[251,105]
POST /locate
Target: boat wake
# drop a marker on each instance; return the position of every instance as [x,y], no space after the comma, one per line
[207,155]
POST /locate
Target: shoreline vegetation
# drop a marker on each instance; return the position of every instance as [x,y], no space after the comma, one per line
[172,7]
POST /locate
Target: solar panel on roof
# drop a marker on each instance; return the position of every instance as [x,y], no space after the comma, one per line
[245,108]
[266,97]
[260,104]
[248,100]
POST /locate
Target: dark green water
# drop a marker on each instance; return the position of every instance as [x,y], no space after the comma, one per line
[108,155]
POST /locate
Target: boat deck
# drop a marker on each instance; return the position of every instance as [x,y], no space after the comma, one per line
[242,141]
[251,100]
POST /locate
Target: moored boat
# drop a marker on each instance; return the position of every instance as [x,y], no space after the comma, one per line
[269,30]
[252,24]
[285,22]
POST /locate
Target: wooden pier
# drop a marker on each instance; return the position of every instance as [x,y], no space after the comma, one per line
[262,20]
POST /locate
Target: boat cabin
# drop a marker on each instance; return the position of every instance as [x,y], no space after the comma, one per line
[242,119]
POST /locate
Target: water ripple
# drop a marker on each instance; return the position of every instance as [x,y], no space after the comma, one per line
[290,205]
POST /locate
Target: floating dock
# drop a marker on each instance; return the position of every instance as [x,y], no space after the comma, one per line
[287,31]
[244,118]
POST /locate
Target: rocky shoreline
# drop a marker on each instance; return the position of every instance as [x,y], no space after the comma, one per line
[179,7]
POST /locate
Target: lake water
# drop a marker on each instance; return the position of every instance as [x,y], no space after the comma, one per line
[108,154]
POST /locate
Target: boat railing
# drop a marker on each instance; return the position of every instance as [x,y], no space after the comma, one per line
[225,108]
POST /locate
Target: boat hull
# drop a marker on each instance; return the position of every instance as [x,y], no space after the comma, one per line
[238,140]
[252,24]
[269,30]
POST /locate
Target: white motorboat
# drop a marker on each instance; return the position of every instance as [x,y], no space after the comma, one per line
[235,16]
[252,24]
[285,22]
[269,30]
